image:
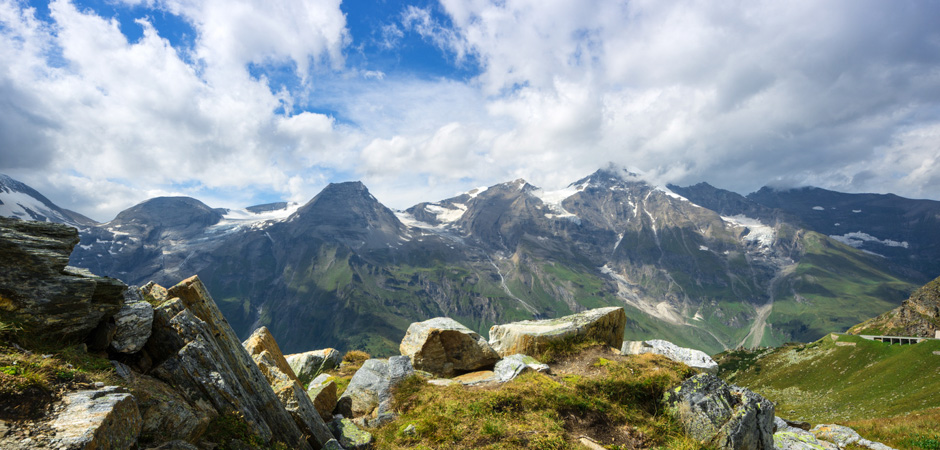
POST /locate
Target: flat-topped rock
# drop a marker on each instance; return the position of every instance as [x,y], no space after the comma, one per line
[308,365]
[531,336]
[695,359]
[98,419]
[445,347]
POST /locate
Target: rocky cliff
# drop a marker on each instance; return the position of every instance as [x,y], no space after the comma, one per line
[918,316]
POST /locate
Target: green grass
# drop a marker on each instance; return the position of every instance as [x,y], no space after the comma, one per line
[537,411]
[826,382]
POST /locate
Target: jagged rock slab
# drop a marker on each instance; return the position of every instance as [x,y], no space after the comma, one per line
[512,366]
[695,359]
[444,347]
[195,350]
[322,390]
[133,323]
[350,436]
[530,336]
[722,415]
[41,292]
[308,364]
[101,419]
[166,415]
[267,355]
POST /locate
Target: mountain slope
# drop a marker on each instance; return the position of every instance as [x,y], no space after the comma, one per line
[21,201]
[346,271]
[919,316]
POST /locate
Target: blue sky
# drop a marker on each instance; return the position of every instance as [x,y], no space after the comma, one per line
[238,102]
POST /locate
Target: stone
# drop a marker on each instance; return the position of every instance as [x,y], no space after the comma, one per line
[267,355]
[166,414]
[175,445]
[123,371]
[530,337]
[695,359]
[789,437]
[41,292]
[444,347]
[322,391]
[842,436]
[350,436]
[332,444]
[512,366]
[479,377]
[194,350]
[133,323]
[722,415]
[98,419]
[262,341]
[369,390]
[308,365]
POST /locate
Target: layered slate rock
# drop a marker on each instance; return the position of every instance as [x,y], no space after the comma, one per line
[267,355]
[722,415]
[38,290]
[195,350]
[308,364]
[445,347]
[133,323]
[369,391]
[101,419]
[695,359]
[531,336]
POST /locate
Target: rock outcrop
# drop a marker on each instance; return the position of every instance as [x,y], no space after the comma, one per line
[530,337]
[267,355]
[39,290]
[695,359]
[918,316]
[350,436]
[308,364]
[722,415]
[369,391]
[100,419]
[791,438]
[322,390]
[195,350]
[133,323]
[842,436]
[444,347]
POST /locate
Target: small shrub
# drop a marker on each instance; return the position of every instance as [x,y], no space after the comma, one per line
[356,357]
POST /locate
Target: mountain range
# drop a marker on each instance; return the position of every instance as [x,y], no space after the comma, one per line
[700,266]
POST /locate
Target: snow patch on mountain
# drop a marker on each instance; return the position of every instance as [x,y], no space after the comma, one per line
[554,199]
[27,207]
[757,231]
[235,219]
[857,239]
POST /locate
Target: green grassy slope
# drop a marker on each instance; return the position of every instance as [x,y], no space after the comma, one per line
[848,378]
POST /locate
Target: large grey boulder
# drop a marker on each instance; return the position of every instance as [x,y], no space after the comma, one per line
[267,355]
[530,337]
[195,350]
[101,419]
[444,347]
[842,436]
[722,415]
[133,323]
[369,390]
[695,359]
[43,294]
[308,365]
[791,438]
[322,391]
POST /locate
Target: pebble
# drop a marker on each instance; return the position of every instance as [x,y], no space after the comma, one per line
[99,385]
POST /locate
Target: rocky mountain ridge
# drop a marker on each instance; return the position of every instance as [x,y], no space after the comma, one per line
[917,316]
[685,271]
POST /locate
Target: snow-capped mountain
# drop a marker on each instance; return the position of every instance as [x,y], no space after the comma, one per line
[699,266]
[23,202]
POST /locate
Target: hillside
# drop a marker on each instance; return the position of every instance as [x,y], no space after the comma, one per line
[919,316]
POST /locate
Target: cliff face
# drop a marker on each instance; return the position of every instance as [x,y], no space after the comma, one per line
[918,316]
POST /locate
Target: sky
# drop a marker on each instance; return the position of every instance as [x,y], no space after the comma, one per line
[104,104]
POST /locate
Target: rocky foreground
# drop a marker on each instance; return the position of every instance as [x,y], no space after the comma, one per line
[177,377]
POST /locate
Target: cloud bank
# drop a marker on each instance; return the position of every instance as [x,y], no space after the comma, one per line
[273,100]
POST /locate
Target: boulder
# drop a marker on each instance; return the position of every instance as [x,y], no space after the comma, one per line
[322,391]
[133,323]
[97,419]
[194,349]
[722,415]
[166,415]
[531,336]
[695,359]
[267,355]
[350,436]
[512,366]
[369,390]
[308,365]
[444,347]
[39,290]
[788,437]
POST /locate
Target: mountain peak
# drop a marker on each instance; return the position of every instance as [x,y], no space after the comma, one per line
[170,212]
[350,213]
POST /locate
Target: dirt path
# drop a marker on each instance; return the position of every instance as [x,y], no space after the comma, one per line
[756,334]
